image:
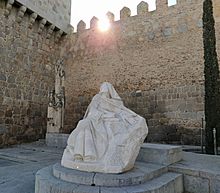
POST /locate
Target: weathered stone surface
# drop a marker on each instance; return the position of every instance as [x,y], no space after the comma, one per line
[215,186]
[3,129]
[196,184]
[201,172]
[125,13]
[56,12]
[140,54]
[47,183]
[23,59]
[73,176]
[81,26]
[2,77]
[141,173]
[142,8]
[165,183]
[160,154]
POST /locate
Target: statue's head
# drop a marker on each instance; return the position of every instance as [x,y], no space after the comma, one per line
[105,89]
[108,91]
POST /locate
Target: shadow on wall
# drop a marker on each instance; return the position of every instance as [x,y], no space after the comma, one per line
[170,117]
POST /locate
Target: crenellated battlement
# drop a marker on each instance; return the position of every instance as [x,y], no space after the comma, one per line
[147,26]
[184,16]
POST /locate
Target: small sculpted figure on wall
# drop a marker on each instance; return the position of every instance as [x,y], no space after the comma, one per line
[56,104]
[108,138]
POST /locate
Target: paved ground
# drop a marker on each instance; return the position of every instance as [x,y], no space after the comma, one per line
[19,164]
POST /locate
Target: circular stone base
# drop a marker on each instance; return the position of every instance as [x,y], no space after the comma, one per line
[46,182]
[138,175]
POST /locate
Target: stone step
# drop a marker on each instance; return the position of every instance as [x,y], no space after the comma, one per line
[141,173]
[166,183]
[160,153]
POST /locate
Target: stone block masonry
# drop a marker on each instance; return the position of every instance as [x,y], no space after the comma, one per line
[27,58]
[173,115]
[56,12]
[154,60]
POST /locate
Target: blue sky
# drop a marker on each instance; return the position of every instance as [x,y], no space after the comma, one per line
[86,9]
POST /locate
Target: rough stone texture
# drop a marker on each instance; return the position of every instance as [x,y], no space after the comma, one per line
[152,54]
[173,114]
[215,186]
[196,184]
[56,12]
[26,75]
[216,6]
[159,53]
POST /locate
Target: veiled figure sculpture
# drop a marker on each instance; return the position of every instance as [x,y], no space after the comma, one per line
[108,138]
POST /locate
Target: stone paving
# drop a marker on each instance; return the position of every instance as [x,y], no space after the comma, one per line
[18,166]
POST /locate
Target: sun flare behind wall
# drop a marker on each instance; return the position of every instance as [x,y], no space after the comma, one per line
[86,9]
[104,24]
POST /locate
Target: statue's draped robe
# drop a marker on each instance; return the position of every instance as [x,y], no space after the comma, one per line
[106,129]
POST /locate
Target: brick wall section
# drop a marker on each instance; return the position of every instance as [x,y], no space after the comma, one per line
[26,76]
[160,53]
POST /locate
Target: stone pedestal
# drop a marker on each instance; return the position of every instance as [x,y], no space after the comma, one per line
[143,178]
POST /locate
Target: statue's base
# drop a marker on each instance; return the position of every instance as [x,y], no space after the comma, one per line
[142,179]
[145,177]
[95,166]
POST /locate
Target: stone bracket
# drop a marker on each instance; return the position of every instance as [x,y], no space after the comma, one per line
[9,6]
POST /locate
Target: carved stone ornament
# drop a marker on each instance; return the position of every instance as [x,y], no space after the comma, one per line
[56,100]
[33,17]
[21,13]
[9,6]
[60,68]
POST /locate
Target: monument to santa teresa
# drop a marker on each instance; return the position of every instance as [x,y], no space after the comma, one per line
[109,137]
[101,153]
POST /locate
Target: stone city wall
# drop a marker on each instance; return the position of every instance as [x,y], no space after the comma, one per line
[154,60]
[28,51]
[157,55]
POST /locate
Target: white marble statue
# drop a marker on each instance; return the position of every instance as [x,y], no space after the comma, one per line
[108,138]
